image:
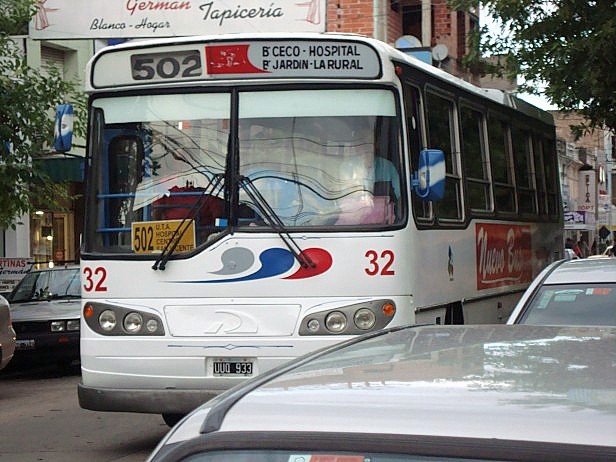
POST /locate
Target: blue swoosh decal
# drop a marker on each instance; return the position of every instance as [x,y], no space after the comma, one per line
[273,263]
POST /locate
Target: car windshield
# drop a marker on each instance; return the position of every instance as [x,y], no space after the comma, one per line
[573,304]
[45,285]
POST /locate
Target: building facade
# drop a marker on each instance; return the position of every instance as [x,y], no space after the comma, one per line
[587,178]
[426,24]
[50,236]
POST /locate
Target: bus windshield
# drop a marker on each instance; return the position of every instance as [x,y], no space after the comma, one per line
[308,159]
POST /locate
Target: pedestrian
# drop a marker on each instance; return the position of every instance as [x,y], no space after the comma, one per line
[583,246]
[593,247]
[569,253]
[577,250]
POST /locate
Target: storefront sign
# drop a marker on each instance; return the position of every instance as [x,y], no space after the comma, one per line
[574,217]
[503,255]
[12,270]
[92,19]
[587,198]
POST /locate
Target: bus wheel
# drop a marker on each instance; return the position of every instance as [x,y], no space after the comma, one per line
[172,419]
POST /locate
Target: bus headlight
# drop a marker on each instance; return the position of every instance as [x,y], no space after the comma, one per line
[151,326]
[133,322]
[313,325]
[107,320]
[364,319]
[367,316]
[336,321]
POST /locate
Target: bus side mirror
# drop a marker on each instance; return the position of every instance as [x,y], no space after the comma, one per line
[429,178]
[63,128]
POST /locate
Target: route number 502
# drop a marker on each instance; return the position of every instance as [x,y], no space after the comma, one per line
[379,264]
[94,279]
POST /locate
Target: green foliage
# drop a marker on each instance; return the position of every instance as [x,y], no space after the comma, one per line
[567,45]
[27,103]
[14,16]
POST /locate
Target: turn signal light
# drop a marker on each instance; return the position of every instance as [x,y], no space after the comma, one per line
[88,311]
[389,309]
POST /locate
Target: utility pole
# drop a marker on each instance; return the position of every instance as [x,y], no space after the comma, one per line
[609,161]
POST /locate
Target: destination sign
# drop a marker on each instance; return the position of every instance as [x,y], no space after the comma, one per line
[293,59]
[165,66]
[260,59]
[153,236]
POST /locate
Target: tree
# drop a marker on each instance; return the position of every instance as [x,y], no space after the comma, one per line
[27,102]
[566,45]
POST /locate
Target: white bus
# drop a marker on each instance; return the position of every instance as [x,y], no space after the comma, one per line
[251,198]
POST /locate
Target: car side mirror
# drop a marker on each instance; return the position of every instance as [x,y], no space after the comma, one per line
[63,128]
[429,178]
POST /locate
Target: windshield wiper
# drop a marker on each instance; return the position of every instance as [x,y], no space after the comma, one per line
[210,188]
[63,296]
[273,220]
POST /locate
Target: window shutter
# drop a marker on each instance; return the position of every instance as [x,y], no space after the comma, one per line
[52,57]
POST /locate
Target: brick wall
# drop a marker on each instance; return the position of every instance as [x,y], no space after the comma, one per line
[590,141]
[449,28]
[355,16]
[394,26]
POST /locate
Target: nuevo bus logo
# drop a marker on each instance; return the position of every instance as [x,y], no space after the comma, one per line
[503,255]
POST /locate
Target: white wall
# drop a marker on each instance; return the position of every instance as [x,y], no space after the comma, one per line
[17,241]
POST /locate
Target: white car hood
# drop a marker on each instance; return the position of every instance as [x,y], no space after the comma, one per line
[46,310]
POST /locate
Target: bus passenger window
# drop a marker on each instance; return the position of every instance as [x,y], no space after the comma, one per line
[441,136]
[412,103]
[540,176]
[527,199]
[502,172]
[475,161]
[551,176]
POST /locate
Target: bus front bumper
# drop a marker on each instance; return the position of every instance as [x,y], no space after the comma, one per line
[168,401]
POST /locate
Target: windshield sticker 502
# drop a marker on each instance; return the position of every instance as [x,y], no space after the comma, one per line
[274,262]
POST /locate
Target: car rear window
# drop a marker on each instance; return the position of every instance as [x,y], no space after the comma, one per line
[573,304]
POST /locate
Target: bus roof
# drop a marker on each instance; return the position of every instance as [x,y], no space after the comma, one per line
[508,99]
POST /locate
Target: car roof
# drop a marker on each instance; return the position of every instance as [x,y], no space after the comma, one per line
[55,268]
[583,270]
[524,383]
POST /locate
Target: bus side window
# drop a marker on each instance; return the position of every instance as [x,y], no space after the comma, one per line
[441,135]
[524,171]
[500,160]
[476,172]
[551,176]
[540,176]
[412,103]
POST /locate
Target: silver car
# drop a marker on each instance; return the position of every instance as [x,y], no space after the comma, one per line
[45,308]
[482,392]
[570,292]
[7,334]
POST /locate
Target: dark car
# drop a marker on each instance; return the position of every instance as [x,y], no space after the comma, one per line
[45,309]
[431,393]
